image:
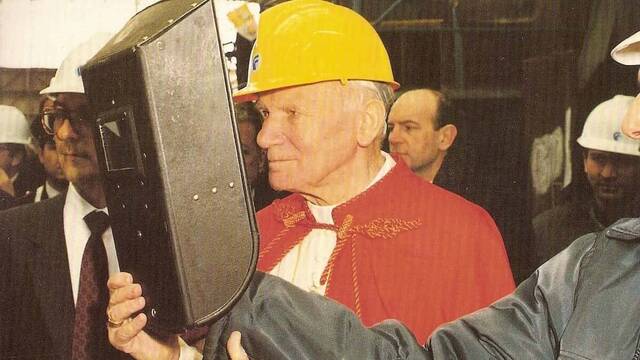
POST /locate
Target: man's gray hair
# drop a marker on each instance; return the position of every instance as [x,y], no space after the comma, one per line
[384,93]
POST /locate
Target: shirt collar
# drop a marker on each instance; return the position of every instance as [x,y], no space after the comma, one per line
[78,205]
[322,213]
[624,229]
[50,190]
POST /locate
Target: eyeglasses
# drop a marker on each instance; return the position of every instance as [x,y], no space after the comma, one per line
[53,119]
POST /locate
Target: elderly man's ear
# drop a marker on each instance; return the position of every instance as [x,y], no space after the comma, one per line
[447,135]
[631,121]
[371,122]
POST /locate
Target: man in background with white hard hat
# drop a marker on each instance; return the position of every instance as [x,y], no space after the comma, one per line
[57,254]
[612,166]
[14,138]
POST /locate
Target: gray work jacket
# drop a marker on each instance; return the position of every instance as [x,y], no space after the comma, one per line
[581,304]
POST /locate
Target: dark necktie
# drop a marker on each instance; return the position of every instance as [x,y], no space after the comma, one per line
[89,332]
[44,195]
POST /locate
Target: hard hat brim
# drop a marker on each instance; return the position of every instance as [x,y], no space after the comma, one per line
[250,93]
[52,89]
[628,51]
[609,146]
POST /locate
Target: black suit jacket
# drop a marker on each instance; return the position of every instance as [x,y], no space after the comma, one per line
[36,309]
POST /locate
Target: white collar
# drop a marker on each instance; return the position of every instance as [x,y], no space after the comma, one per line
[389,163]
[322,213]
[78,205]
[51,191]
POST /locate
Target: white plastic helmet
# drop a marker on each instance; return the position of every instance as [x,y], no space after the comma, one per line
[14,127]
[602,129]
[67,78]
[628,51]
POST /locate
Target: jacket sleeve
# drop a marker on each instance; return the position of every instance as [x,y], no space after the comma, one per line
[526,324]
[280,321]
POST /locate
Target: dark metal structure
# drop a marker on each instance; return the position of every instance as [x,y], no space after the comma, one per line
[169,150]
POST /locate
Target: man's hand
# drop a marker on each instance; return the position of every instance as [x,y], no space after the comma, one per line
[125,333]
[234,348]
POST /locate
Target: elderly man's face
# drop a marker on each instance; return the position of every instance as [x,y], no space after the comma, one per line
[74,141]
[613,177]
[412,131]
[309,133]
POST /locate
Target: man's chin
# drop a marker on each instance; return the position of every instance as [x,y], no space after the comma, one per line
[278,185]
[279,181]
[79,175]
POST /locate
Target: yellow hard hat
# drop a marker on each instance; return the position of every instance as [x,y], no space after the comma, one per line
[308,41]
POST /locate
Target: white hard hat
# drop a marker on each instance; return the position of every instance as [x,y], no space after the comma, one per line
[602,130]
[14,127]
[67,78]
[628,51]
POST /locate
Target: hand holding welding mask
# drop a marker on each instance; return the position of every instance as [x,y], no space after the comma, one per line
[125,330]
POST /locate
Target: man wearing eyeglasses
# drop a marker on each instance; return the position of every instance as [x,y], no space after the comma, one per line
[55,183]
[57,254]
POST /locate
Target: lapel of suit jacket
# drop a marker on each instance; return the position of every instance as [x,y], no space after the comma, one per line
[50,274]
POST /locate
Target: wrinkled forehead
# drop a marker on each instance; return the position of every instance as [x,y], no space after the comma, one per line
[328,93]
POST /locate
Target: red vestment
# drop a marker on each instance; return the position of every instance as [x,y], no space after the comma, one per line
[406,249]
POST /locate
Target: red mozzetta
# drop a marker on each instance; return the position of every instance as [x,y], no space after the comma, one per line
[406,249]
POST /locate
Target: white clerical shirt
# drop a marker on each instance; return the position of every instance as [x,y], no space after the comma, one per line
[304,264]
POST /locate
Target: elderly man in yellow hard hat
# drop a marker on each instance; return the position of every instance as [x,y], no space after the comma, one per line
[360,227]
[581,304]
